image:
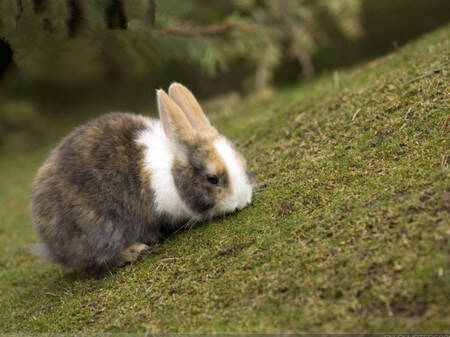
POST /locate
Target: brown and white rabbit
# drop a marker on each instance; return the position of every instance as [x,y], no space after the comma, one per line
[116,184]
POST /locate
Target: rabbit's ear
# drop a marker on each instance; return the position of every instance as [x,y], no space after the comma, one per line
[190,106]
[175,123]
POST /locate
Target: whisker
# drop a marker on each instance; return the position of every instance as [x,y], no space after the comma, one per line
[178,229]
[195,222]
[188,225]
[192,224]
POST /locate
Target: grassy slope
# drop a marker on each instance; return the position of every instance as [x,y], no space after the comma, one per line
[348,232]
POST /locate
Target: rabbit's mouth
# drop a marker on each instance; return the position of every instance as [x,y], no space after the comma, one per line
[233,203]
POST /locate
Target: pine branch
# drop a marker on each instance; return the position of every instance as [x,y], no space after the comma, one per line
[206,30]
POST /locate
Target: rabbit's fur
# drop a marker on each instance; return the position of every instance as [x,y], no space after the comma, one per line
[121,181]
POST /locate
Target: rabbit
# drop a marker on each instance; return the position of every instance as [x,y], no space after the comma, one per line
[119,183]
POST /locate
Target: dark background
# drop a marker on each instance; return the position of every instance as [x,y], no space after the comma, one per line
[62,64]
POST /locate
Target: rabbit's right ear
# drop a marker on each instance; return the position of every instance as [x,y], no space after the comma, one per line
[175,124]
[189,104]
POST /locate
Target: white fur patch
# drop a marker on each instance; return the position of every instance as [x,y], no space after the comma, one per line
[241,188]
[159,159]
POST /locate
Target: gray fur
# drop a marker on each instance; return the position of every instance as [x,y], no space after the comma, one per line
[91,199]
[42,251]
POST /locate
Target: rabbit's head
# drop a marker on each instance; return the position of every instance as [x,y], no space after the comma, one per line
[210,176]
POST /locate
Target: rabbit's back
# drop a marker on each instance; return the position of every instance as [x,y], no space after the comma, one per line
[91,198]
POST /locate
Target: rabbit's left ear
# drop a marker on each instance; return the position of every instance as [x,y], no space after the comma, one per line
[184,98]
[175,123]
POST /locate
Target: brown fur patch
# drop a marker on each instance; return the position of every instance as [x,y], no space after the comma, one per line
[217,166]
[90,198]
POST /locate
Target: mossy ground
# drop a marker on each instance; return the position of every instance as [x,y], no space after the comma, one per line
[348,230]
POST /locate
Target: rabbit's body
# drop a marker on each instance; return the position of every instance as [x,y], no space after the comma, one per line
[122,180]
[90,199]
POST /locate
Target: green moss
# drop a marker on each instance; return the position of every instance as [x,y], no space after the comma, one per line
[348,230]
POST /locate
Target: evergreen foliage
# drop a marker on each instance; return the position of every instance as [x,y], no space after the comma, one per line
[54,50]
[74,41]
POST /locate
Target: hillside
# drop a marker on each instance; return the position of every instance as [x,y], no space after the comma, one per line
[348,230]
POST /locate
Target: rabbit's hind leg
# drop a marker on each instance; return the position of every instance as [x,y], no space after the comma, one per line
[131,254]
[128,255]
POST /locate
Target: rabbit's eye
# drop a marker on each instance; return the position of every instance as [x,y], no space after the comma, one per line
[212,179]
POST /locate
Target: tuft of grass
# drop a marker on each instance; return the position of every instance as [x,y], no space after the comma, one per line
[348,230]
